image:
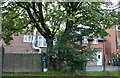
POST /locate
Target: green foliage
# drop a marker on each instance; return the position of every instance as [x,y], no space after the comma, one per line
[14,20]
[48,17]
[71,55]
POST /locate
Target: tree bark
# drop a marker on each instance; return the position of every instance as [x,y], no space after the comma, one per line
[49,49]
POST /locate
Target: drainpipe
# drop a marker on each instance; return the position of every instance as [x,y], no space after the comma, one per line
[104,59]
[116,36]
[34,42]
[37,48]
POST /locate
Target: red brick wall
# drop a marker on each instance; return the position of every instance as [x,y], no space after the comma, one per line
[111,39]
[18,46]
[99,45]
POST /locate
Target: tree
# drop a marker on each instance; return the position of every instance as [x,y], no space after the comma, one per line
[48,17]
[72,55]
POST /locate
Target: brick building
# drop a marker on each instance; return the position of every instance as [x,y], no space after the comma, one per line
[22,44]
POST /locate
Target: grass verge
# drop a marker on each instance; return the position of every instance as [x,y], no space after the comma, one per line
[60,74]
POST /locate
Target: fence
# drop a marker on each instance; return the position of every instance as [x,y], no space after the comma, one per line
[0,61]
[22,62]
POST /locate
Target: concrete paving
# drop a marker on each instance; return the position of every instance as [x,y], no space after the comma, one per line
[100,68]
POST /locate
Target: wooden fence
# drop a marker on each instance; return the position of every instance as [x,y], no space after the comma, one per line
[0,61]
[22,62]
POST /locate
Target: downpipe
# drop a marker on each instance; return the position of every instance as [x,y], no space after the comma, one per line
[34,42]
[39,52]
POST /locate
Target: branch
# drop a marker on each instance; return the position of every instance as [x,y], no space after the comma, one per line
[78,5]
[21,5]
[34,21]
[41,19]
[34,9]
[56,29]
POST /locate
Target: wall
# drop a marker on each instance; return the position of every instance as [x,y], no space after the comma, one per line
[99,47]
[111,39]
[18,46]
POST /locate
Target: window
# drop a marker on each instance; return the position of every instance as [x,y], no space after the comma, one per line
[117,28]
[118,41]
[42,41]
[27,38]
[98,56]
[95,41]
[78,32]
[85,40]
[54,41]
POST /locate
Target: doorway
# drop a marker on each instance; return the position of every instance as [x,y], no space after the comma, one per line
[99,58]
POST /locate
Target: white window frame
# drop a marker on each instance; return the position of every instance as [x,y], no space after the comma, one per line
[54,41]
[118,41]
[26,38]
[95,41]
[117,29]
[42,42]
[85,40]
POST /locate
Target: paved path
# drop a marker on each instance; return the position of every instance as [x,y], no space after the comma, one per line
[100,68]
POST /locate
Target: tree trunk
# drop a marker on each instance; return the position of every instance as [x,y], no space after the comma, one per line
[49,49]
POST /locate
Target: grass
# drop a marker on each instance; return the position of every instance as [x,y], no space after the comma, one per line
[60,73]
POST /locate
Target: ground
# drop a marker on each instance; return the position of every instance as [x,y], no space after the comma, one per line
[100,68]
[92,72]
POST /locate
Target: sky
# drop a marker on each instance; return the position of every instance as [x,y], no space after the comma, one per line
[115,1]
[113,6]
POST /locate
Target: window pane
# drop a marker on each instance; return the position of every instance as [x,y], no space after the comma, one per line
[85,41]
[25,38]
[44,42]
[98,56]
[95,41]
[40,42]
[29,38]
